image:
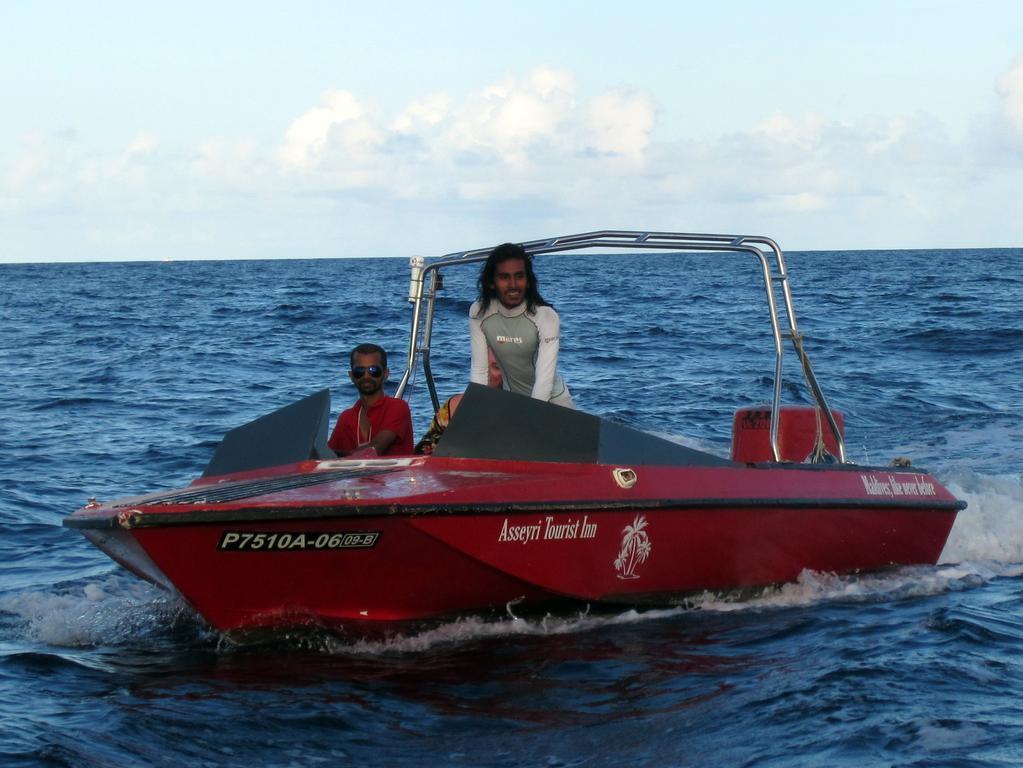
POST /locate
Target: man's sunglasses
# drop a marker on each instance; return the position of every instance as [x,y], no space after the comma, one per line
[375,371]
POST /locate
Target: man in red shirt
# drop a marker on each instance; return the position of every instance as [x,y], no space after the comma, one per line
[375,420]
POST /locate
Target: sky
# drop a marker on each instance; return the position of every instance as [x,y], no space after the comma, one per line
[189,130]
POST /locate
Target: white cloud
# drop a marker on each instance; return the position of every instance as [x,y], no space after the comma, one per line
[800,202]
[511,138]
[525,154]
[218,165]
[39,174]
[144,144]
[508,120]
[424,113]
[621,122]
[803,133]
[893,131]
[340,123]
[1010,89]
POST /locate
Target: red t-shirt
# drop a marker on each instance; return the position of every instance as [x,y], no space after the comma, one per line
[387,413]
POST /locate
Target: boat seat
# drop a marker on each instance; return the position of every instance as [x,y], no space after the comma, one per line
[797,433]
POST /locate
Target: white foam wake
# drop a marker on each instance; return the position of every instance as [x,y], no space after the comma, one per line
[813,587]
[991,527]
[108,611]
[473,628]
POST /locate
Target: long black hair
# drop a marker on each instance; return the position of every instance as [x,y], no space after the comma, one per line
[485,284]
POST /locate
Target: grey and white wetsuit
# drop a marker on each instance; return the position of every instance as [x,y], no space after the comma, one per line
[526,346]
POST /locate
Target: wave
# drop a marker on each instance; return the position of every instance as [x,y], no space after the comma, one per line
[965,341]
[121,612]
[989,529]
[810,589]
[981,626]
[111,611]
[69,402]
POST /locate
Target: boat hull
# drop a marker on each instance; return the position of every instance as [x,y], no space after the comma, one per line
[429,538]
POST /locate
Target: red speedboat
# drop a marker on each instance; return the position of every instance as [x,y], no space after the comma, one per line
[522,501]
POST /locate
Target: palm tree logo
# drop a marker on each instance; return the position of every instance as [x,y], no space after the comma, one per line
[635,548]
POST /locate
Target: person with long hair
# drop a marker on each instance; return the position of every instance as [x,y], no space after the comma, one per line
[512,319]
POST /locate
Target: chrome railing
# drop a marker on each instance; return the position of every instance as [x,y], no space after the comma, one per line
[426,281]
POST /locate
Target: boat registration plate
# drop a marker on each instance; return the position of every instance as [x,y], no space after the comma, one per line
[289,541]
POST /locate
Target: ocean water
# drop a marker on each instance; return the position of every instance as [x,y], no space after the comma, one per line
[121,378]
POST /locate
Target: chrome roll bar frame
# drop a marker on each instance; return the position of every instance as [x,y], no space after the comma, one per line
[426,281]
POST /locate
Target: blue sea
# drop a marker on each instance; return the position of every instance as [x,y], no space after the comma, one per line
[120,378]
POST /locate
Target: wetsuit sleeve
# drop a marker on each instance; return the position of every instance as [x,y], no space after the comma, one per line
[548,328]
[478,346]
